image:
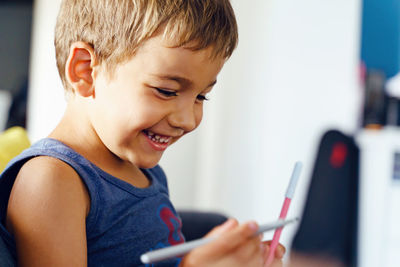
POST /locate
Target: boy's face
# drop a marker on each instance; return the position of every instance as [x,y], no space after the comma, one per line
[152,100]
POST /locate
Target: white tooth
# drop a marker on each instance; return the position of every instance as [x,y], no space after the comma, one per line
[162,140]
[150,133]
[157,136]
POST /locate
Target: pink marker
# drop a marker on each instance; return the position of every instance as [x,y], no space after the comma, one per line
[288,197]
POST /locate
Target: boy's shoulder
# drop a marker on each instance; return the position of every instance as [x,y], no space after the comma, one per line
[45,178]
[49,197]
[39,168]
[37,176]
[46,164]
[47,169]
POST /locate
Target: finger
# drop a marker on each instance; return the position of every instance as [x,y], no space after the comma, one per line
[249,254]
[275,263]
[226,226]
[230,240]
[253,248]
[279,251]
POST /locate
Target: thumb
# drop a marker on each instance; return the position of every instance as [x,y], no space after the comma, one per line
[222,228]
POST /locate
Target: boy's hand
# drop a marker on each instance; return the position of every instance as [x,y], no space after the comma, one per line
[279,252]
[235,246]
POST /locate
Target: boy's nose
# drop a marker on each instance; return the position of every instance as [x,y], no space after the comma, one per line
[184,117]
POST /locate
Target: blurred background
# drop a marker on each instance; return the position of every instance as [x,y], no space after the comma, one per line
[293,76]
[15,46]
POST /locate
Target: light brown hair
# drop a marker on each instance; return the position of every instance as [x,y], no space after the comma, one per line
[116,28]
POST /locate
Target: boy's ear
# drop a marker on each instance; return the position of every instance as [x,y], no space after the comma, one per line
[79,68]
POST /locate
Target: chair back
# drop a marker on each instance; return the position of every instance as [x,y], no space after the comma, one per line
[12,142]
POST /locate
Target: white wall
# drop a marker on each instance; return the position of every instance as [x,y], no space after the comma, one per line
[46,95]
[293,76]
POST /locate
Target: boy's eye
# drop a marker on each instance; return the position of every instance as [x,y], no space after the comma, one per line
[202,98]
[166,93]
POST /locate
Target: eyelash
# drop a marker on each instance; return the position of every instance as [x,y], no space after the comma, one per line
[167,93]
[202,98]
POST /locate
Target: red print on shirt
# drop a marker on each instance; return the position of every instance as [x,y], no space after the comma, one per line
[173,223]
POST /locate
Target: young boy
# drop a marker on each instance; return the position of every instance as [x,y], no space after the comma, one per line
[136,74]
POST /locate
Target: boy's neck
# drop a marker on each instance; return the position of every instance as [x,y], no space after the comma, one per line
[75,131]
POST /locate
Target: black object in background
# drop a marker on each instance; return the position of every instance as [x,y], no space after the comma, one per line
[15,39]
[329,220]
[196,224]
[17,111]
[375,100]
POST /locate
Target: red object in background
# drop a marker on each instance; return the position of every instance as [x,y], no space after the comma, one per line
[338,155]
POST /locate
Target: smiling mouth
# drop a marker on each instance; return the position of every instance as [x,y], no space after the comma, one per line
[160,139]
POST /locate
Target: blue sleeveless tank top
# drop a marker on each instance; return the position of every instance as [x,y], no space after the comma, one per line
[124,221]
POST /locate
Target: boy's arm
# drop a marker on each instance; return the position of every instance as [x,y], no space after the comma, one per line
[46,214]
